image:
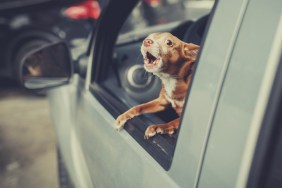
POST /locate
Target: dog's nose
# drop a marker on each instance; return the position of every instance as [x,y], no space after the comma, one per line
[148,42]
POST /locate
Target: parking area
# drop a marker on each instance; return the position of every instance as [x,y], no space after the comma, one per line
[27,140]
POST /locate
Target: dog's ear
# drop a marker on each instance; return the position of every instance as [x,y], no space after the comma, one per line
[190,50]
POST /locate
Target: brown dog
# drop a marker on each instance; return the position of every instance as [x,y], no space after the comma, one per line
[172,61]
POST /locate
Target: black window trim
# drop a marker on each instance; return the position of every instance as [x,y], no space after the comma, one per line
[105,35]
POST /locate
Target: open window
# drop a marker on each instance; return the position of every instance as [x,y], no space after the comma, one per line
[121,82]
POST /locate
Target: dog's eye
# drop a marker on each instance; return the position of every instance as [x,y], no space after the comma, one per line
[168,42]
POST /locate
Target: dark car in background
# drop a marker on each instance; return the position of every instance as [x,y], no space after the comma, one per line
[39,23]
[230,133]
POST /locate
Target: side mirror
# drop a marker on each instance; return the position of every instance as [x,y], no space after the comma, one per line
[47,67]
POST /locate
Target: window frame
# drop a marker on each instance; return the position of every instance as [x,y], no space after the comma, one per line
[103,43]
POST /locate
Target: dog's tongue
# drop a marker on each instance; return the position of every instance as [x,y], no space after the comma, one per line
[147,61]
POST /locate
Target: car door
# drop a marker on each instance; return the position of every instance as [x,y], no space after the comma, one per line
[116,159]
[190,158]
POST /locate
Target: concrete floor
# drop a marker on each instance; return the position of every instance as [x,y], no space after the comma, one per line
[27,140]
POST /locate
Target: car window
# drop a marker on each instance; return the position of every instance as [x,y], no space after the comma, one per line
[126,83]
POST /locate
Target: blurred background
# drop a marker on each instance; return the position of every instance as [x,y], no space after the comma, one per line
[27,140]
[28,156]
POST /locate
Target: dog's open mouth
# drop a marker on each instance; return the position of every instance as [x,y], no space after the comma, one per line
[150,60]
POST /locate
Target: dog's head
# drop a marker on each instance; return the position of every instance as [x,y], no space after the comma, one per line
[162,51]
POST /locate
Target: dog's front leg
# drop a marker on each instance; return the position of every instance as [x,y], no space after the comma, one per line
[156,105]
[167,128]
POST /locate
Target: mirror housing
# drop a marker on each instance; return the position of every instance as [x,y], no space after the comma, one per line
[47,67]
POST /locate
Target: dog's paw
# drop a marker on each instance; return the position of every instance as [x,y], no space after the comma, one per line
[161,129]
[119,124]
[151,131]
[120,121]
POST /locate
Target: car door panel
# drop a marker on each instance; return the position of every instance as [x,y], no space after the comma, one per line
[205,92]
[114,158]
[63,102]
[238,101]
